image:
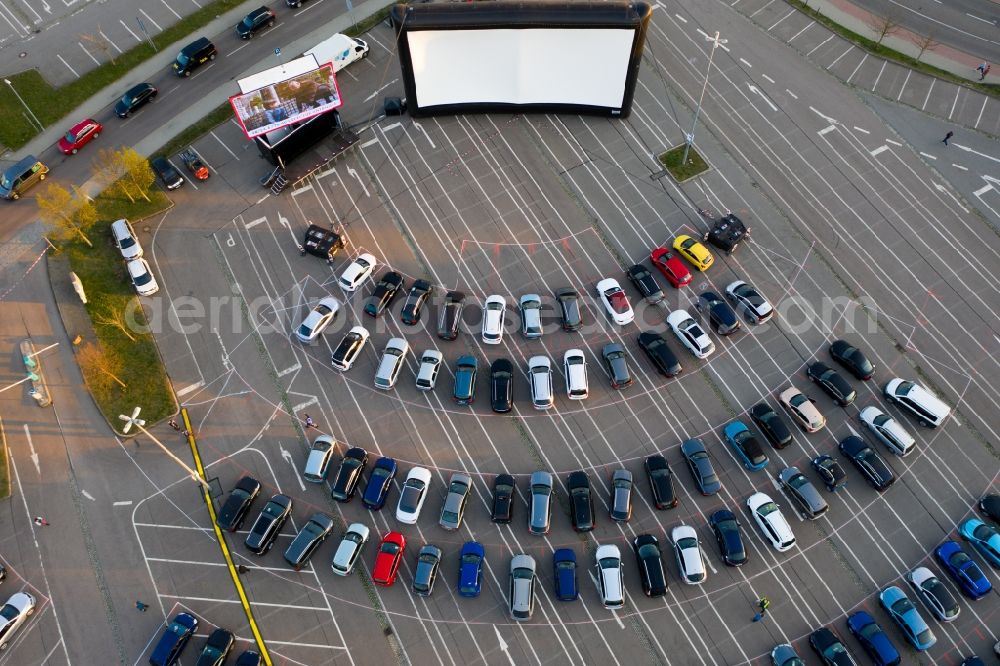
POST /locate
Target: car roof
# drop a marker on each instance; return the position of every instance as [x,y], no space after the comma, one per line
[541,477]
[421,473]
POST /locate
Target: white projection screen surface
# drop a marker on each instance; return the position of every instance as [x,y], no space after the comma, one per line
[586,67]
[516,56]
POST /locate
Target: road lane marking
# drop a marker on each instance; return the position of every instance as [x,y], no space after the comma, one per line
[122,503]
[863,131]
[928,155]
[253,223]
[87,495]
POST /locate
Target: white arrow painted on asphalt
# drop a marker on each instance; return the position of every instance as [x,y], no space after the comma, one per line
[354,174]
[288,456]
[757,91]
[944,190]
[503,645]
[31,446]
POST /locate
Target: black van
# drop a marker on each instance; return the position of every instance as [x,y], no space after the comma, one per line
[194,55]
[19,177]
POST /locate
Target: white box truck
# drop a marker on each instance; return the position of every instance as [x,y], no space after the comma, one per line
[340,49]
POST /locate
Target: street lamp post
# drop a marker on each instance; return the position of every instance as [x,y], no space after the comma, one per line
[689,139]
[25,104]
[134,420]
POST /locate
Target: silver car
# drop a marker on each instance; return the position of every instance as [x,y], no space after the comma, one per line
[454,503]
[350,549]
[540,516]
[621,495]
[531,316]
[522,587]
[13,614]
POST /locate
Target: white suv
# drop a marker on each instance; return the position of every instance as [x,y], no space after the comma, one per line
[610,576]
[393,359]
[929,410]
[540,376]
[690,561]
[357,272]
[771,521]
[575,370]
[690,333]
[493,317]
[125,240]
[427,373]
[888,431]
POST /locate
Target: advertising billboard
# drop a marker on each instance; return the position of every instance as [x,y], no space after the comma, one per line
[287,101]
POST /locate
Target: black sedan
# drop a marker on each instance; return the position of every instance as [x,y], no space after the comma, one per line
[727,534]
[852,358]
[649,561]
[772,425]
[136,97]
[420,292]
[168,175]
[990,505]
[871,465]
[501,386]
[830,649]
[569,309]
[660,353]
[389,285]
[830,472]
[346,480]
[720,315]
[661,481]
[581,501]
[234,511]
[645,283]
[218,646]
[832,383]
[504,486]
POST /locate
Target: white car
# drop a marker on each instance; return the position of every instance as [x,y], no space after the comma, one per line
[690,333]
[929,410]
[690,561]
[540,377]
[349,349]
[318,319]
[886,429]
[412,496]
[142,277]
[935,594]
[575,371]
[803,409]
[494,310]
[125,239]
[359,271]
[748,300]
[393,360]
[430,366]
[13,614]
[771,521]
[610,578]
[349,549]
[615,301]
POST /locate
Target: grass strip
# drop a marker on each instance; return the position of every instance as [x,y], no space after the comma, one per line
[671,161]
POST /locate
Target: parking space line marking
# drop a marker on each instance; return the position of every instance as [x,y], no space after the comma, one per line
[985,99]
[125,25]
[856,68]
[297,366]
[108,40]
[302,405]
[171,9]
[301,190]
[746,62]
[767,78]
[929,90]
[793,95]
[928,155]
[261,200]
[96,61]
[862,130]
[223,546]
[190,387]
[168,560]
[880,149]
[905,81]
[391,126]
[67,65]
[151,20]
[310,645]
[819,45]
[236,601]
[895,143]
[827,129]
[808,25]
[677,16]
[224,145]
[981,191]
[790,12]
[370,142]
[254,223]
[954,103]
[960,167]
[122,503]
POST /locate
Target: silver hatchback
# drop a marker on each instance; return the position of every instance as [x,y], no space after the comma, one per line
[540,516]
[621,495]
[454,503]
[522,587]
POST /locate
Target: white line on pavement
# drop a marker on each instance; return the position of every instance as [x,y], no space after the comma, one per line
[301,190]
[880,149]
[171,9]
[122,503]
[84,49]
[88,495]
[297,366]
[31,447]
[190,387]
[746,62]
[960,167]
[253,223]
[125,25]
[863,131]
[767,78]
[370,142]
[302,405]
[981,191]
[108,40]
[151,20]
[224,145]
[928,156]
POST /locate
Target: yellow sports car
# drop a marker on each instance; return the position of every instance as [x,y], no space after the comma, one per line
[696,253]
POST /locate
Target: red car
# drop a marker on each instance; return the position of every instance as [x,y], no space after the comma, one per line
[80,135]
[671,266]
[390,554]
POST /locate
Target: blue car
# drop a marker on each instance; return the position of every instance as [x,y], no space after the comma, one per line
[785,655]
[564,565]
[905,614]
[875,641]
[470,569]
[963,569]
[745,445]
[465,380]
[984,537]
[379,483]
[173,641]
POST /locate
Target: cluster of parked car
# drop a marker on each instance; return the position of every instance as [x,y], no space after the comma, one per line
[219,644]
[136,265]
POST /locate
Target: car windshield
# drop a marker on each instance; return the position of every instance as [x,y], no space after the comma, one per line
[609,563]
[427,558]
[389,547]
[247,22]
[449,517]
[494,306]
[798,400]
[503,490]
[614,355]
[322,310]
[687,542]
[623,483]
[353,537]
[531,305]
[471,558]
[767,509]
[798,481]
[902,606]
[523,573]
[869,631]
[983,532]
[503,374]
[70,137]
[688,243]
[618,300]
[834,651]
[566,565]
[8,612]
[145,278]
[5,182]
[127,100]
[351,463]
[580,492]
[728,525]
[182,59]
[648,551]
[378,473]
[539,489]
[925,636]
[273,509]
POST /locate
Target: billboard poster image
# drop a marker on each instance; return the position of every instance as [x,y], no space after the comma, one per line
[287,102]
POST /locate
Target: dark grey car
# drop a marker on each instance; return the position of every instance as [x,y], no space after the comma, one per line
[700,464]
[265,529]
[569,307]
[309,538]
[428,563]
[621,495]
[540,515]
[804,495]
[720,316]
[614,360]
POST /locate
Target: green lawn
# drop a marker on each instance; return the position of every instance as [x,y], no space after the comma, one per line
[102,271]
[671,160]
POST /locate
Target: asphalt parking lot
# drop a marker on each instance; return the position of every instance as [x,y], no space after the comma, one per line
[847,242]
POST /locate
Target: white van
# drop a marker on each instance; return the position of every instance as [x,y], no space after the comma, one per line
[575,369]
[340,49]
[929,410]
[888,431]
[125,239]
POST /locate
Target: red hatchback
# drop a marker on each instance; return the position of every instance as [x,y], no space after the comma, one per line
[671,266]
[390,554]
[80,135]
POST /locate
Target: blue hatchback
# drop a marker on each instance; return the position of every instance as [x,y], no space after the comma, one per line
[379,483]
[564,565]
[875,641]
[746,446]
[905,614]
[984,537]
[470,569]
[963,569]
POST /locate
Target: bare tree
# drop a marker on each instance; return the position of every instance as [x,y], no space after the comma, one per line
[100,42]
[883,26]
[68,214]
[106,314]
[100,369]
[924,43]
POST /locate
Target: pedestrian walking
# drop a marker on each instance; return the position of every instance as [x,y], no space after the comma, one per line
[986,71]
[764,604]
[185,434]
[141,607]
[309,422]
[173,424]
[946,137]
[41,521]
[981,67]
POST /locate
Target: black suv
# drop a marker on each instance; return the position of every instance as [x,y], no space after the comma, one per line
[134,98]
[569,308]
[771,424]
[832,383]
[235,509]
[346,480]
[581,501]
[254,21]
[451,315]
[503,498]
[218,646]
[661,481]
[265,529]
[415,300]
[649,561]
[660,353]
[388,286]
[194,55]
[169,176]
[501,386]
[721,317]
[871,465]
